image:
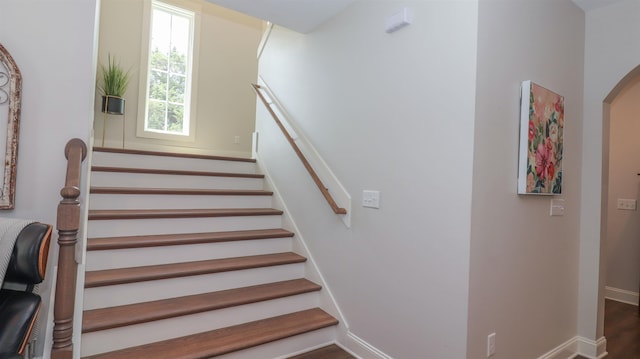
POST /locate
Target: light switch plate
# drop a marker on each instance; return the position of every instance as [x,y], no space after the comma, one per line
[557,207]
[627,204]
[370,199]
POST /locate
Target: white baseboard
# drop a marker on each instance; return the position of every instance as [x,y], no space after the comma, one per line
[362,349]
[578,346]
[592,349]
[621,295]
[322,169]
[566,350]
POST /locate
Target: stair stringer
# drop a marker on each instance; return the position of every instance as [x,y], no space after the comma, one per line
[312,272]
[344,338]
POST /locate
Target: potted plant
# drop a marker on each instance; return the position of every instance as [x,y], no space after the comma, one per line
[114,84]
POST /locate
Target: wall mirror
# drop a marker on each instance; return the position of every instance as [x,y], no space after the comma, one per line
[10,95]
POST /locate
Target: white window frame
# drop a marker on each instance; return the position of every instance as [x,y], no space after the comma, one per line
[180,7]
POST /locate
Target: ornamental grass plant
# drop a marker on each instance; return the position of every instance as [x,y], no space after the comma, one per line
[114,79]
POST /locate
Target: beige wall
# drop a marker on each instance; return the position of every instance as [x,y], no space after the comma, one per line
[610,54]
[53,43]
[227,65]
[623,227]
[394,113]
[412,125]
[524,263]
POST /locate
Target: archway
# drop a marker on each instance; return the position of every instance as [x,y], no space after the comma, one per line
[607,105]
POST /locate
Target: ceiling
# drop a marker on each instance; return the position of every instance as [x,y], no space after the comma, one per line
[305,15]
[299,15]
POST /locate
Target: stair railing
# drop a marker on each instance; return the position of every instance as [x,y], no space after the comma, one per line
[323,189]
[68,223]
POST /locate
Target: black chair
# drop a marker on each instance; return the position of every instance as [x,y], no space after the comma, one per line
[19,307]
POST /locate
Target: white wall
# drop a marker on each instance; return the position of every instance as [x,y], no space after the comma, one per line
[52,42]
[623,227]
[227,65]
[611,52]
[524,263]
[394,113]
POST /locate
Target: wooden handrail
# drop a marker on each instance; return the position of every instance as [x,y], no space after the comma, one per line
[307,165]
[68,223]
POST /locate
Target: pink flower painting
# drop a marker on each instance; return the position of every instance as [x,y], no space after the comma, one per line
[541,127]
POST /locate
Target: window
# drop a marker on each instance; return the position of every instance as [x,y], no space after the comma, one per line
[169,71]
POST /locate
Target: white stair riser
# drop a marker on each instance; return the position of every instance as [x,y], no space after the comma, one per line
[117,228]
[120,179]
[170,163]
[285,348]
[108,296]
[135,257]
[139,334]
[130,201]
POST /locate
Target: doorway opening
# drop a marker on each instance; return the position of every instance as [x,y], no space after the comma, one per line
[620,219]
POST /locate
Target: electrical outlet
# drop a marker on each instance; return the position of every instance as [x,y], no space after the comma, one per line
[236,139]
[491,344]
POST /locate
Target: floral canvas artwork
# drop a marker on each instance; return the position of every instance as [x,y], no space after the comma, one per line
[541,141]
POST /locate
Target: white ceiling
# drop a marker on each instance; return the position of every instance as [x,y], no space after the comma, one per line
[305,15]
[299,15]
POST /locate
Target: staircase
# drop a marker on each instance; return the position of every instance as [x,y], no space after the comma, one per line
[187,259]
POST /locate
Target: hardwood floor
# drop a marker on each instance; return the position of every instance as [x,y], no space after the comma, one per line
[622,330]
[328,352]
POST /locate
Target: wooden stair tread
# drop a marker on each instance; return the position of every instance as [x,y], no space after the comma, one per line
[164,271]
[329,352]
[179,191]
[230,339]
[107,243]
[118,322]
[113,317]
[171,154]
[179,213]
[174,172]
